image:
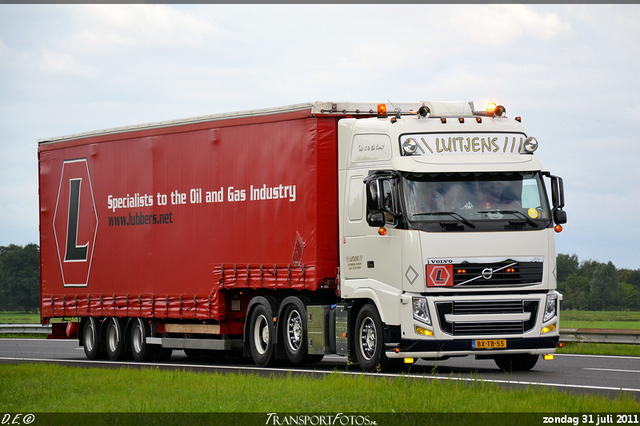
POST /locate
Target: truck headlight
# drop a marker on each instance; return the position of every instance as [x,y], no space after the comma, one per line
[550,308]
[421,310]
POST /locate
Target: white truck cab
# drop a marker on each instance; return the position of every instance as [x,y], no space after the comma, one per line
[447,230]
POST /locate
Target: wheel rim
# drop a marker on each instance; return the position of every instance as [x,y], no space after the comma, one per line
[112,337]
[136,338]
[89,336]
[261,334]
[294,330]
[368,338]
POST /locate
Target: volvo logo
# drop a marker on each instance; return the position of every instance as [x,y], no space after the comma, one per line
[487,273]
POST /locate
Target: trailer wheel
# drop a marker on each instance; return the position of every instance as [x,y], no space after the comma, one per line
[261,335]
[91,339]
[140,350]
[116,349]
[369,340]
[520,362]
[295,334]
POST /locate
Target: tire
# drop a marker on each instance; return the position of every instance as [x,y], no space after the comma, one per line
[369,340]
[91,339]
[520,362]
[114,339]
[261,335]
[294,334]
[140,349]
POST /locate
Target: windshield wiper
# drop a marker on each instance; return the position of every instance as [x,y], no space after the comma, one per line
[513,212]
[455,215]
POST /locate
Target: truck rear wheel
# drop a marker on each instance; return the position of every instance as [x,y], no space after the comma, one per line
[116,348]
[140,350]
[261,335]
[91,339]
[295,334]
[520,362]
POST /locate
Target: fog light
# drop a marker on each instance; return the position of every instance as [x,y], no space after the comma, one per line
[549,328]
[423,331]
[548,357]
[409,360]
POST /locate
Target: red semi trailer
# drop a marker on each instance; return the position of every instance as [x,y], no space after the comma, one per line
[229,233]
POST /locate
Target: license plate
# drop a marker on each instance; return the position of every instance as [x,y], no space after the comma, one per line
[489,344]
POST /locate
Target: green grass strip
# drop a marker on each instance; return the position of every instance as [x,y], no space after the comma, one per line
[53,388]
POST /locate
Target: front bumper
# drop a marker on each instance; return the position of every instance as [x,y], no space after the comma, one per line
[462,347]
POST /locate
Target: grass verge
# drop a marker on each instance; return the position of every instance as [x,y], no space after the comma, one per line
[55,388]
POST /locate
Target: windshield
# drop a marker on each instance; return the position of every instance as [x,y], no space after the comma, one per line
[475,201]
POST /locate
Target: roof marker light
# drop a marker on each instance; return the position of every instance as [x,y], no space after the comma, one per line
[443,120]
[461,120]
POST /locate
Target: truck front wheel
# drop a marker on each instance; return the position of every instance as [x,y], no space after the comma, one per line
[369,341]
[520,362]
[261,335]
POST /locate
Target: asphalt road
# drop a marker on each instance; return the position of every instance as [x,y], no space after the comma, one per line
[599,374]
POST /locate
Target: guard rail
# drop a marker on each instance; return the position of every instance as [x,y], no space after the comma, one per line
[567,335]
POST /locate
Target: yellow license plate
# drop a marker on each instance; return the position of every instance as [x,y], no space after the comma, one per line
[489,344]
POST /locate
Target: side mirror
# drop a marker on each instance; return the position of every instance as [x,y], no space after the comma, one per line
[376,218]
[560,217]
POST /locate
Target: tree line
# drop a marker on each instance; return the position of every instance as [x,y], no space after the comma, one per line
[588,285]
[20,278]
[594,286]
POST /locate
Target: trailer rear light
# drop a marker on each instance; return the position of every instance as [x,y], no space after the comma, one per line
[382,110]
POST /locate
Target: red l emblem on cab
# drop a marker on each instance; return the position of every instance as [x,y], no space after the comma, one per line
[440,275]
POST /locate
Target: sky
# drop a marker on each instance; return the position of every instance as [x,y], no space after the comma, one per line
[572,72]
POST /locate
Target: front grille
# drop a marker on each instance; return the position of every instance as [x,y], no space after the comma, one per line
[471,328]
[492,309]
[505,273]
[488,307]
